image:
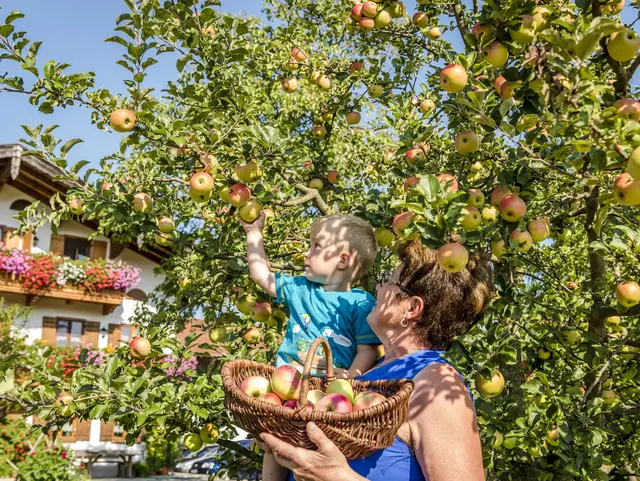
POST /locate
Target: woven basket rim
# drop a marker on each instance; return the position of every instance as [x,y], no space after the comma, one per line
[389,404]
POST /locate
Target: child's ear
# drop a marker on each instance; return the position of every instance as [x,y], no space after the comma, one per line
[345,260]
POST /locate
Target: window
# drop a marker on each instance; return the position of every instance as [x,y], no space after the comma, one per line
[118,431]
[68,333]
[20,205]
[126,333]
[76,248]
[67,430]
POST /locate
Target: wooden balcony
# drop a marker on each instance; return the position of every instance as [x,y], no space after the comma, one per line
[108,299]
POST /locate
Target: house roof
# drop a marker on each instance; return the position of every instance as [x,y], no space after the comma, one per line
[36,177]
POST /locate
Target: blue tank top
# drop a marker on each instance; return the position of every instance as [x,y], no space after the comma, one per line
[397,462]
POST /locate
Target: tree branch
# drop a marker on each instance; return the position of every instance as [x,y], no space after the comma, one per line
[457,13]
[633,67]
[299,201]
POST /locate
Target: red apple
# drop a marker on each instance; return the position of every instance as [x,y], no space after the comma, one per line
[410,183]
[356,11]
[286,382]
[521,240]
[270,398]
[401,222]
[367,399]
[201,183]
[77,207]
[289,84]
[333,177]
[628,293]
[498,83]
[427,105]
[107,189]
[261,311]
[539,230]
[420,19]
[414,154]
[139,348]
[453,78]
[369,9]
[498,194]
[507,88]
[334,402]
[299,54]
[255,386]
[123,120]
[367,23]
[479,30]
[353,118]
[453,257]
[629,108]
[449,182]
[239,195]
[251,335]
[512,208]
[356,67]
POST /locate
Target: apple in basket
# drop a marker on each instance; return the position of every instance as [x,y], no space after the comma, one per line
[341,386]
[255,386]
[367,399]
[293,404]
[286,382]
[334,402]
[314,395]
[270,398]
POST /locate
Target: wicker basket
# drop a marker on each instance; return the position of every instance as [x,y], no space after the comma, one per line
[358,434]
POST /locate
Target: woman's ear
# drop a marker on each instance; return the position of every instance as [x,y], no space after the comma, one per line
[416,306]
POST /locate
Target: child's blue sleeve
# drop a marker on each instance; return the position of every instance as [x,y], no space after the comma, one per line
[364,333]
[285,287]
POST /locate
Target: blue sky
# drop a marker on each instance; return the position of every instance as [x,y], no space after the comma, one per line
[73,31]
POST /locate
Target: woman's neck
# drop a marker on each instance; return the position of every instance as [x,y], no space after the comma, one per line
[394,349]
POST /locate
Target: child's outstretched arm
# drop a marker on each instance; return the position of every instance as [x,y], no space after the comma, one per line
[259,267]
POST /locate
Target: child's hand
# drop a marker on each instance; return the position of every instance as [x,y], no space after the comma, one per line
[255,226]
[341,373]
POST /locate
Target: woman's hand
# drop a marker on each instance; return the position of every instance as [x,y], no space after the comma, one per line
[325,464]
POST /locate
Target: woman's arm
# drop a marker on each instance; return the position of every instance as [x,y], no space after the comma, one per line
[444,427]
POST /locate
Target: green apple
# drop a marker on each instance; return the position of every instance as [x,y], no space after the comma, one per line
[491,387]
[384,237]
[453,257]
[193,442]
[218,335]
[623,46]
[453,78]
[526,32]
[341,386]
[209,434]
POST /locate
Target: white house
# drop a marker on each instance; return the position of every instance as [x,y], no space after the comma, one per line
[68,316]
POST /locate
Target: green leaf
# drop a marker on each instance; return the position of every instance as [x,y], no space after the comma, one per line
[15,15]
[64,150]
[600,217]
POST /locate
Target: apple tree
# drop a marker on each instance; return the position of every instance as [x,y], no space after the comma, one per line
[524,146]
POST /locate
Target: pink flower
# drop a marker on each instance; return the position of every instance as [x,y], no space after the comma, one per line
[64,455]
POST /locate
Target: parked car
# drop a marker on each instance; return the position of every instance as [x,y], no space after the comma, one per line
[214,465]
[186,463]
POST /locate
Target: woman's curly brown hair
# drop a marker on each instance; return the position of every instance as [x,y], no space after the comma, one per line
[453,303]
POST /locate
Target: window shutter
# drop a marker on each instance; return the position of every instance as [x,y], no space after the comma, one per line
[98,250]
[106,432]
[49,327]
[91,333]
[27,242]
[114,335]
[57,244]
[11,242]
[83,431]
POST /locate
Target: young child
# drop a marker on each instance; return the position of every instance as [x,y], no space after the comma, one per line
[323,301]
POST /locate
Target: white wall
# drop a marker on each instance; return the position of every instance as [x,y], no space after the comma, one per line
[46,307]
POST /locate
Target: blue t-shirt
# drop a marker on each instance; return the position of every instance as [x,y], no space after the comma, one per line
[340,317]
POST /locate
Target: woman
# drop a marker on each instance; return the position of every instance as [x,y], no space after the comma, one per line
[420,309]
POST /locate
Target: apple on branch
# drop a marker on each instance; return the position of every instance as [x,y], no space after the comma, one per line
[384,237]
[76,206]
[249,172]
[453,78]
[201,183]
[512,208]
[238,195]
[123,120]
[492,386]
[467,142]
[289,84]
[453,257]
[142,203]
[250,211]
[472,218]
[476,198]
[139,348]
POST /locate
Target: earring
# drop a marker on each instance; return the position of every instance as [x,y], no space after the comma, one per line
[404,322]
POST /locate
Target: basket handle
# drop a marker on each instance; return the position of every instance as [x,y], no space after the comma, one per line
[304,390]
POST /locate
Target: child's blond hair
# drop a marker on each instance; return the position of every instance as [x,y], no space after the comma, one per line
[358,234]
